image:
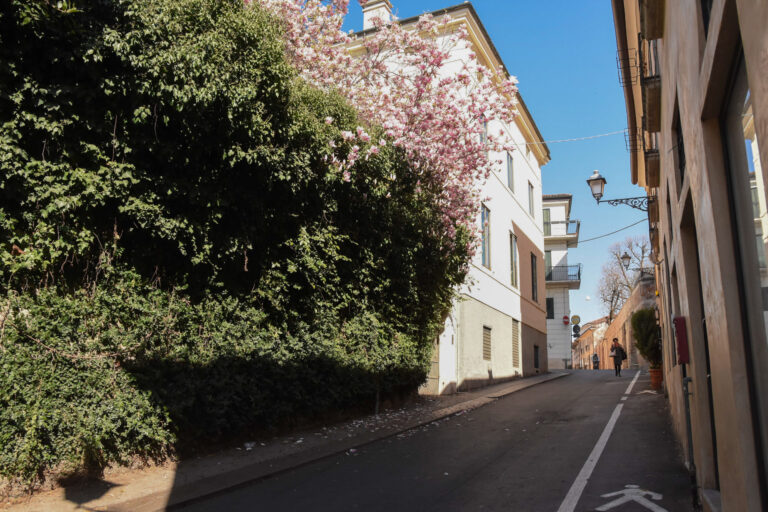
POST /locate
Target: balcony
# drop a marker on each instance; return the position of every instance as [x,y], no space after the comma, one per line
[562,230]
[651,83]
[652,18]
[564,274]
[652,160]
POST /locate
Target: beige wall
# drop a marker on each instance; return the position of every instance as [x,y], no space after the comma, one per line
[533,338]
[643,296]
[474,371]
[533,313]
[700,274]
[582,350]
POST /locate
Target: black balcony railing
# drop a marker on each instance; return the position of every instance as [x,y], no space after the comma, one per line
[563,273]
[561,227]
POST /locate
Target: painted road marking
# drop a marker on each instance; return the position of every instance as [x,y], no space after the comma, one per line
[577,488]
[633,493]
[623,398]
[631,384]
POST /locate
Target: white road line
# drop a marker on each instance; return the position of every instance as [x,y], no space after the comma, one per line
[629,388]
[577,488]
[574,493]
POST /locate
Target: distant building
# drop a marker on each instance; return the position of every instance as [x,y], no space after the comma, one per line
[695,78]
[643,296]
[585,346]
[497,329]
[560,234]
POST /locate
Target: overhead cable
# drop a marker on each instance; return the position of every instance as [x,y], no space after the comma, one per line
[612,232]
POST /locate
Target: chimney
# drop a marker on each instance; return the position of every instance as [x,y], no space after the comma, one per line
[376,9]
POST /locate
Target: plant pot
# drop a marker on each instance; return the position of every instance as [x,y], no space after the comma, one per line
[656,377]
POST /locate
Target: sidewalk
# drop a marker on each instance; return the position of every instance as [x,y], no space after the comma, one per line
[158,487]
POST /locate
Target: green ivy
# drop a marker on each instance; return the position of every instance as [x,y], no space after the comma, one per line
[178,262]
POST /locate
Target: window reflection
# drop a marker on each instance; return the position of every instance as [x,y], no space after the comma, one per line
[757,187]
[749,196]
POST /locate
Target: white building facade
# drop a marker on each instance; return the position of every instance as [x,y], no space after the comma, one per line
[497,329]
[560,234]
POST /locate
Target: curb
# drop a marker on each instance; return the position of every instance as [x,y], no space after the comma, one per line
[249,474]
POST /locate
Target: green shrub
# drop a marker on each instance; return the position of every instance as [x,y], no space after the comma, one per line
[646,333]
[92,379]
[178,262]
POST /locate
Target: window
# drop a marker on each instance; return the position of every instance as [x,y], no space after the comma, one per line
[550,308]
[530,199]
[548,265]
[547,221]
[535,356]
[534,283]
[755,197]
[513,260]
[679,148]
[510,173]
[706,13]
[760,243]
[742,136]
[515,342]
[486,343]
[485,219]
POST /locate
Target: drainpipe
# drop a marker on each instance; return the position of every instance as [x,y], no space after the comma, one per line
[455,314]
[689,431]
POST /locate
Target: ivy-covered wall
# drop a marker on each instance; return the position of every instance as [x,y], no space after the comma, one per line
[178,260]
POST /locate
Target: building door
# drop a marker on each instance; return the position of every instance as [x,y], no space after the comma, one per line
[447,370]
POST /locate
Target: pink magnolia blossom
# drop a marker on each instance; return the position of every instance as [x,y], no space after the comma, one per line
[397,77]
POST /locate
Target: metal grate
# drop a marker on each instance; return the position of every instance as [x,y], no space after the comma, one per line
[486,343]
[632,141]
[627,64]
[515,343]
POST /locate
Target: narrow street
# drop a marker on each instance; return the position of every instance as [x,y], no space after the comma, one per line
[524,452]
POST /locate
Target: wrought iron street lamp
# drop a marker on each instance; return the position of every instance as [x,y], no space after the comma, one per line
[625,261]
[597,185]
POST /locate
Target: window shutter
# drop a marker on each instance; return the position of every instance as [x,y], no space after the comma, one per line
[486,343]
[515,343]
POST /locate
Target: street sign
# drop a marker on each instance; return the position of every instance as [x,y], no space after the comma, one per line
[575,319]
[576,330]
[635,494]
[565,320]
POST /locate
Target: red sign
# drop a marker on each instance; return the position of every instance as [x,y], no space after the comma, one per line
[565,320]
[681,336]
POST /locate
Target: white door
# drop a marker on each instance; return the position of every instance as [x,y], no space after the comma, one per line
[447,375]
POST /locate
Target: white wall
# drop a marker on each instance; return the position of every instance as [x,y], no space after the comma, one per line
[492,286]
[558,335]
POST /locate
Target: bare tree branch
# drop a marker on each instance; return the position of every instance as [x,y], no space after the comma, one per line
[616,282]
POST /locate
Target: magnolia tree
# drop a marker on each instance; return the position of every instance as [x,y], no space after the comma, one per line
[398,78]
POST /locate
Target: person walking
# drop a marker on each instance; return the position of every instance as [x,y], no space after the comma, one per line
[595,362]
[619,355]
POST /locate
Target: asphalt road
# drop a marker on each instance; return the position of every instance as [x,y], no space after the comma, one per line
[521,453]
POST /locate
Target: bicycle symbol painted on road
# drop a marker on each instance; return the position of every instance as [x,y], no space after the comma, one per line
[633,493]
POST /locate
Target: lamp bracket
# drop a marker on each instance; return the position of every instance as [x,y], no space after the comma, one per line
[640,203]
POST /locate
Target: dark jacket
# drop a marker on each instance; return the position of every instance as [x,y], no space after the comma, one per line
[620,354]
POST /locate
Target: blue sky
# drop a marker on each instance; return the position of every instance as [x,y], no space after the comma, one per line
[564,54]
